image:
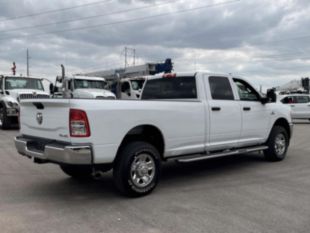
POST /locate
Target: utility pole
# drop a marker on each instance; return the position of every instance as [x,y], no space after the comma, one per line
[27,58]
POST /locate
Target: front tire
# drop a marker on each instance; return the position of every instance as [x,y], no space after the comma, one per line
[277,143]
[4,119]
[77,171]
[137,169]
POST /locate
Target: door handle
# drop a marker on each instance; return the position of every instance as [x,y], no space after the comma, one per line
[216,109]
[292,105]
[246,109]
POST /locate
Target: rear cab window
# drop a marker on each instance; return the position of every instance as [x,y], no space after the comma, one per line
[220,88]
[183,87]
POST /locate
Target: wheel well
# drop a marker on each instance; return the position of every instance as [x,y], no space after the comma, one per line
[147,133]
[283,122]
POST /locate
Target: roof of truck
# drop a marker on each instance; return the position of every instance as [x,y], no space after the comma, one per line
[16,76]
[88,78]
[187,74]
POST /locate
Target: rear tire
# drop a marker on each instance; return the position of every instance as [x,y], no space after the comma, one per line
[137,169]
[4,119]
[277,143]
[77,171]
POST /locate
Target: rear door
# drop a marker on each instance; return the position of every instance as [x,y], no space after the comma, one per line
[45,118]
[224,118]
[301,107]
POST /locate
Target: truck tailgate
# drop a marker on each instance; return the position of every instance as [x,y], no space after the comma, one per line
[45,118]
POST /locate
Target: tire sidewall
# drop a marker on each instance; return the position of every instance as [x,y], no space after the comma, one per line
[135,149]
[273,154]
[5,123]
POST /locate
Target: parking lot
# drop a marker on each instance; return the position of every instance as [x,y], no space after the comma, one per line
[233,194]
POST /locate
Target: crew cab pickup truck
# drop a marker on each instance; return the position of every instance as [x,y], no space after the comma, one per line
[185,117]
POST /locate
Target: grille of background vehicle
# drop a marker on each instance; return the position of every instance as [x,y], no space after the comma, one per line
[31,96]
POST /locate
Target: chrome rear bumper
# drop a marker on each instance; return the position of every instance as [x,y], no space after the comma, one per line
[54,152]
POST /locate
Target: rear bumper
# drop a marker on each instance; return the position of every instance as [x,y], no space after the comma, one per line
[54,152]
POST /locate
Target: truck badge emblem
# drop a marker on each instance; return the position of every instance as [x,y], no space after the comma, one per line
[39,118]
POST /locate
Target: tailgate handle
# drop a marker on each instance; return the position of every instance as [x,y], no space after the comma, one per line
[38,105]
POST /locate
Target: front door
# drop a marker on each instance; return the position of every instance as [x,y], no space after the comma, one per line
[301,108]
[255,115]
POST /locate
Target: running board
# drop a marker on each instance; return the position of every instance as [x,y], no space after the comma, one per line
[192,158]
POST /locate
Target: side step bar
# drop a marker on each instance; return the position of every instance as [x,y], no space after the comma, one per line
[192,158]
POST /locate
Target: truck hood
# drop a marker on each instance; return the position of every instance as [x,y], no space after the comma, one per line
[93,93]
[15,93]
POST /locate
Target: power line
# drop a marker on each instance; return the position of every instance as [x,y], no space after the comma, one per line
[129,20]
[89,17]
[54,11]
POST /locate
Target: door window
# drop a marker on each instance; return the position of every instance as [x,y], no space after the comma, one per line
[302,99]
[288,100]
[125,87]
[220,88]
[246,92]
[1,84]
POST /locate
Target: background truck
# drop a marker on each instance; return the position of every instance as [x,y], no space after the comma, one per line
[12,89]
[131,88]
[83,87]
[184,117]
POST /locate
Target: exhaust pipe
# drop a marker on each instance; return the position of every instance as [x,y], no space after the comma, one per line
[63,73]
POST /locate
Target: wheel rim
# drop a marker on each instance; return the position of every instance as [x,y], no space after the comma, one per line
[142,170]
[280,144]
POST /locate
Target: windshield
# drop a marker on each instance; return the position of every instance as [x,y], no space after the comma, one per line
[137,84]
[23,83]
[89,84]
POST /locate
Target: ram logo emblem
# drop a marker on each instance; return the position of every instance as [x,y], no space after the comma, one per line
[39,118]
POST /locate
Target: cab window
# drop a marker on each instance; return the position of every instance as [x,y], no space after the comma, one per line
[125,87]
[245,91]
[220,88]
[302,99]
[288,100]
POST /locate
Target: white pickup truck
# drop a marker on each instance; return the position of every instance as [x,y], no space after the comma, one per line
[184,117]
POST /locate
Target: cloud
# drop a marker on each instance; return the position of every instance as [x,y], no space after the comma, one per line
[259,39]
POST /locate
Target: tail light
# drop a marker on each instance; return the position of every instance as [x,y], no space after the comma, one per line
[169,75]
[78,123]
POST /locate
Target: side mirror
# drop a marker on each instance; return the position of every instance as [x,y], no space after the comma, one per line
[271,95]
[52,90]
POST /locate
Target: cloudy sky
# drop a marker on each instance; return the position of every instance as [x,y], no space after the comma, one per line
[265,41]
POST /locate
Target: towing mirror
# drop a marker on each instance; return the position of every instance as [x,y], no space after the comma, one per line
[271,95]
[52,88]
